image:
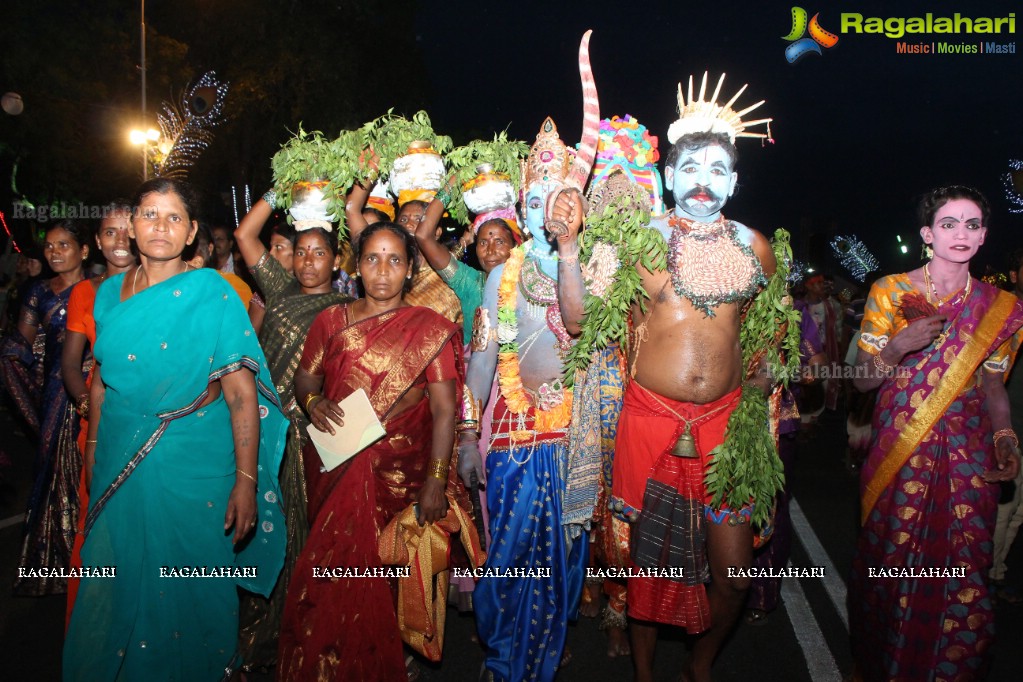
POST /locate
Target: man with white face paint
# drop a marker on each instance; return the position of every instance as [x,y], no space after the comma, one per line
[687,371]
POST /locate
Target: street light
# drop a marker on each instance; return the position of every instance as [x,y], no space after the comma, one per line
[144,138]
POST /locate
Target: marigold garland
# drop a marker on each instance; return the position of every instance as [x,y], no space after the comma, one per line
[508,374]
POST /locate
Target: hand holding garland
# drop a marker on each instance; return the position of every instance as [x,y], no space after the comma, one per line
[875,368]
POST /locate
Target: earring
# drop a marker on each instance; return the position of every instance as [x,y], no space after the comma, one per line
[926,252]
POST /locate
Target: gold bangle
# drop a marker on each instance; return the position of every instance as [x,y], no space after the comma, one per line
[438,469]
[1006,433]
[247,476]
[90,441]
[309,399]
[883,367]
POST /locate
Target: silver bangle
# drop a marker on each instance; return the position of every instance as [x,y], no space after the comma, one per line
[271,198]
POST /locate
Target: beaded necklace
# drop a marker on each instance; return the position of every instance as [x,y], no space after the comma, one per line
[930,288]
[709,265]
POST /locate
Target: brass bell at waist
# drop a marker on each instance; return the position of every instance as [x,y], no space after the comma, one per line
[685,446]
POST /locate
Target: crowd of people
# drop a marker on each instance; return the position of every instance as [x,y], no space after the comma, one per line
[173,401]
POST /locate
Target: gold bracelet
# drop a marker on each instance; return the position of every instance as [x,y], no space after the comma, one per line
[247,476]
[1007,433]
[89,441]
[883,367]
[309,399]
[467,425]
[438,469]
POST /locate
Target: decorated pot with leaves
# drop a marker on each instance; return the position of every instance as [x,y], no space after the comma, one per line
[421,168]
[488,191]
[310,205]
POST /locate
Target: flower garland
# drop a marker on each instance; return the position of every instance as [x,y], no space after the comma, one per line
[508,374]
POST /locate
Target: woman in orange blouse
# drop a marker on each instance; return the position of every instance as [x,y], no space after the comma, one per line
[114,243]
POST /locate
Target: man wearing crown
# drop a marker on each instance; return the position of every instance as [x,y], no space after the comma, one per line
[687,377]
[533,576]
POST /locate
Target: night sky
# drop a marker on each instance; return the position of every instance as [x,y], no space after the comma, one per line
[860,130]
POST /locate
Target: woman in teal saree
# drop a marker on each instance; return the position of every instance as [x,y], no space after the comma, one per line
[183,448]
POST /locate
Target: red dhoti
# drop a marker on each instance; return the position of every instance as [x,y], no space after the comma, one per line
[645,471]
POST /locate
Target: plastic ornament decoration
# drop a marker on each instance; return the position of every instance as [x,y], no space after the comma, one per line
[186,130]
[854,256]
[797,271]
[1013,183]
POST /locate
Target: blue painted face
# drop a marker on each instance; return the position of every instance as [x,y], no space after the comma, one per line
[533,210]
[701,182]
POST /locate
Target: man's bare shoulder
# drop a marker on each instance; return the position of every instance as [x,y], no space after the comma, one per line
[760,245]
[660,223]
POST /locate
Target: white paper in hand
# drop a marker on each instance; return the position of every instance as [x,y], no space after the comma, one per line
[361,429]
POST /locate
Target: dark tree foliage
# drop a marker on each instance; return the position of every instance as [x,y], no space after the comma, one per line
[327,65]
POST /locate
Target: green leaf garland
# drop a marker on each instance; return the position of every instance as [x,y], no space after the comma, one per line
[622,224]
[390,136]
[501,153]
[746,466]
[310,157]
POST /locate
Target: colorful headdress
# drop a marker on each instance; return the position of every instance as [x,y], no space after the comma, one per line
[549,158]
[707,116]
[626,145]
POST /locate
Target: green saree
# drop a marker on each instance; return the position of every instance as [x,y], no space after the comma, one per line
[164,470]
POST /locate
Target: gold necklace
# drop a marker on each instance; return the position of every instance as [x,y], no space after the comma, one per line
[929,287]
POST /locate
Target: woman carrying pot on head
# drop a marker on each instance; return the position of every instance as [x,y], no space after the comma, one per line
[282,249]
[495,232]
[294,297]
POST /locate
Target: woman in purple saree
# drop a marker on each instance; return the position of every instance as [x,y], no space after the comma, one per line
[938,344]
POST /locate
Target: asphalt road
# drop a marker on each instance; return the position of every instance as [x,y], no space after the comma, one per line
[805,639]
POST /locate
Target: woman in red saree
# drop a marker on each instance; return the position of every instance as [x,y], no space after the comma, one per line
[408,360]
[938,344]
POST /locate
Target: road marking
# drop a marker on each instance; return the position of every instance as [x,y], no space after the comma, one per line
[833,583]
[14,520]
[819,661]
